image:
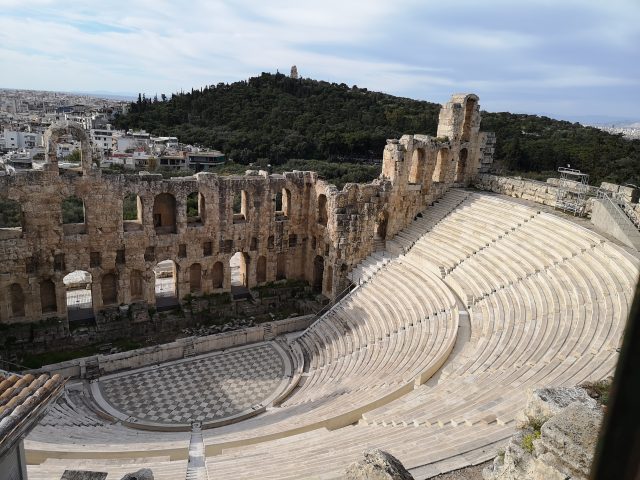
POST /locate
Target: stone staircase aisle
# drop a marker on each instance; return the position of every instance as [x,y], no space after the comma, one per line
[197,466]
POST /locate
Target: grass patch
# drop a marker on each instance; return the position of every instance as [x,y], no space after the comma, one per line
[527,440]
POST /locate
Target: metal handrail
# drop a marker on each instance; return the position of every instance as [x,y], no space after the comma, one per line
[618,210]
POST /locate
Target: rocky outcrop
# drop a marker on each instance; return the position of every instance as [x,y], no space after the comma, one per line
[556,441]
[377,465]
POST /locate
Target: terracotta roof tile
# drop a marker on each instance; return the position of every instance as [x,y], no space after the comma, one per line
[21,396]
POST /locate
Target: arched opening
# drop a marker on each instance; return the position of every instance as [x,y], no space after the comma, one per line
[132,212]
[469,108]
[109,287]
[322,209]
[166,285]
[261,269]
[136,285]
[240,206]
[270,242]
[217,275]
[417,166]
[461,165]
[73,215]
[239,265]
[380,233]
[286,202]
[195,278]
[440,169]
[281,267]
[278,204]
[195,209]
[16,296]
[78,295]
[318,273]
[10,216]
[329,279]
[164,213]
[69,130]
[48,300]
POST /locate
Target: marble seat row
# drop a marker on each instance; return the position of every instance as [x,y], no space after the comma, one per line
[162,467]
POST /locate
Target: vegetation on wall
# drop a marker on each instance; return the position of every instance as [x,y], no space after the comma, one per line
[9,214]
[72,210]
[279,118]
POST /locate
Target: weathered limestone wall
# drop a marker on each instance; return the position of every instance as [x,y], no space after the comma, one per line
[142,357]
[319,234]
[540,192]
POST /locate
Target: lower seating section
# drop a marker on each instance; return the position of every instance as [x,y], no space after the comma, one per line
[74,424]
[547,302]
[162,467]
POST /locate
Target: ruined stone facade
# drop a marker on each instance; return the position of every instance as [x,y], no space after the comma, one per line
[292,225]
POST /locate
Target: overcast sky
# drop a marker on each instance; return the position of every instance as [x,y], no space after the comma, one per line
[561,57]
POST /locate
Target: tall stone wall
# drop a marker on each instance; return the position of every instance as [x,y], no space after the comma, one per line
[318,234]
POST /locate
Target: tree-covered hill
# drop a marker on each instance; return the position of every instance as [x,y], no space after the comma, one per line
[279,118]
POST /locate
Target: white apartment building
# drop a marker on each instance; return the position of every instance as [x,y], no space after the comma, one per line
[14,140]
[102,139]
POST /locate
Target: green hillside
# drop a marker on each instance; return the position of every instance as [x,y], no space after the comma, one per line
[278,118]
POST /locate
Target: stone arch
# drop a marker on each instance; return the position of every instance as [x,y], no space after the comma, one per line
[442,161]
[461,165]
[418,161]
[109,289]
[79,298]
[136,285]
[132,212]
[53,135]
[166,283]
[261,269]
[217,275]
[16,300]
[195,209]
[469,110]
[318,273]
[281,266]
[195,278]
[322,209]
[239,266]
[164,213]
[48,300]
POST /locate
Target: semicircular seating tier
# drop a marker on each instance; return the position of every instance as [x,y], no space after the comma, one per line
[400,364]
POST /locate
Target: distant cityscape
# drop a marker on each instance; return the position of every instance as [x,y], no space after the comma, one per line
[26,114]
[631,131]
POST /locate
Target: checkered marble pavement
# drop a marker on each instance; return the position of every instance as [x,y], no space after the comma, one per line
[202,389]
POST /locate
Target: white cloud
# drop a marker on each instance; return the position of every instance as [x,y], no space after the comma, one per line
[407,47]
